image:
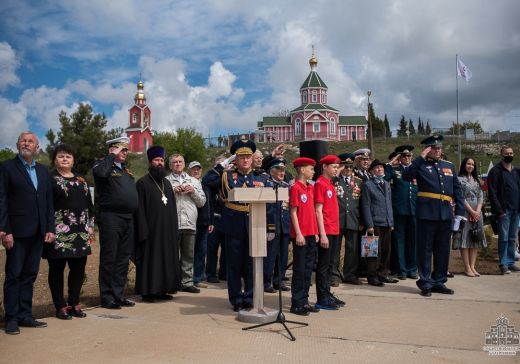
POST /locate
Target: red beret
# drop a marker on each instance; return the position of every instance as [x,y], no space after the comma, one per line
[304,161]
[330,159]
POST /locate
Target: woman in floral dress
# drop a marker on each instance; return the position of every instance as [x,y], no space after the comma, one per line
[73,213]
[468,243]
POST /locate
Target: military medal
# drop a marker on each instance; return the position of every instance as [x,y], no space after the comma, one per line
[163,198]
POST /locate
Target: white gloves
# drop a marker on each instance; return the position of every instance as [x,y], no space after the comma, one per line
[228,161]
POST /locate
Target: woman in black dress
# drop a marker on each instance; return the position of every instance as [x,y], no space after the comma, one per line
[74,216]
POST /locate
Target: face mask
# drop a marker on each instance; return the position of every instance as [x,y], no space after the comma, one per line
[507,158]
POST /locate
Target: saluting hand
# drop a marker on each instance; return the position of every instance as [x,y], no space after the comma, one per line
[115,150]
[425,152]
[395,160]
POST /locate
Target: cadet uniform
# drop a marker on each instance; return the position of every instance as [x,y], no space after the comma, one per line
[404,197]
[438,187]
[118,200]
[235,225]
[278,225]
[348,190]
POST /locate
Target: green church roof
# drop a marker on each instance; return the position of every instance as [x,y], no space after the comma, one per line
[353,120]
[274,121]
[314,107]
[313,80]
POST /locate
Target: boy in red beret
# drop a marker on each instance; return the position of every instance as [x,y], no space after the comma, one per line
[304,234]
[327,217]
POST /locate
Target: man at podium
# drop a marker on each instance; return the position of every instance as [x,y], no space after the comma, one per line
[235,220]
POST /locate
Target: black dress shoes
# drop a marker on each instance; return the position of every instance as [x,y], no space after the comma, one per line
[212,280]
[300,311]
[164,297]
[282,288]
[11,328]
[149,298]
[237,307]
[442,289]
[375,282]
[76,311]
[412,276]
[311,308]
[31,322]
[426,292]
[387,279]
[63,314]
[111,305]
[191,289]
[247,305]
[354,281]
[402,277]
[269,289]
[126,303]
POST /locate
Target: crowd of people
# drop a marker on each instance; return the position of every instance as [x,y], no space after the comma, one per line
[181,230]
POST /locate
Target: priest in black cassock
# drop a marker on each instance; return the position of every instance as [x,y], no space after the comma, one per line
[156,248]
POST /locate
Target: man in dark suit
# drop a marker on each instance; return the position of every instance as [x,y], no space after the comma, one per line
[438,188]
[376,209]
[26,221]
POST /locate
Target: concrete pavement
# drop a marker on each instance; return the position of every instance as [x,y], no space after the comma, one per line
[393,324]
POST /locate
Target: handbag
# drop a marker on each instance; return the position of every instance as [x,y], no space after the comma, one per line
[475,233]
[369,246]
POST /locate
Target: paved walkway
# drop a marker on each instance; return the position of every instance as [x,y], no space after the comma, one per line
[393,324]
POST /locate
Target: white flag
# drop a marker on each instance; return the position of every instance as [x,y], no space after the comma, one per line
[463,71]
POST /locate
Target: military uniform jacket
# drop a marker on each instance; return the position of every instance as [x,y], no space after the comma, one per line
[438,177]
[364,175]
[349,196]
[115,186]
[404,193]
[235,215]
[275,209]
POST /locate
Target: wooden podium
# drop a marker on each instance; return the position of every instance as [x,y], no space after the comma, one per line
[257,199]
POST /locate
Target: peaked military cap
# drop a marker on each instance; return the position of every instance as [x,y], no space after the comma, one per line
[346,158]
[362,153]
[243,146]
[329,159]
[304,161]
[277,163]
[121,142]
[155,151]
[404,149]
[375,163]
[433,140]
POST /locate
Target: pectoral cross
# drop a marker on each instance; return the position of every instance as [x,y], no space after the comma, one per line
[164,199]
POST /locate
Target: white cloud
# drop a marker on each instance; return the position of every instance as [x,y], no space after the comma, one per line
[44,105]
[15,122]
[9,63]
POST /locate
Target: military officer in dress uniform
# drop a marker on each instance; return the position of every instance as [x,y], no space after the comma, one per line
[235,221]
[362,163]
[348,189]
[438,188]
[404,196]
[278,225]
[118,200]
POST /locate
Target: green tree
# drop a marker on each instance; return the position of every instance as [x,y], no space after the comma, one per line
[428,128]
[401,132]
[6,154]
[186,142]
[388,132]
[420,127]
[411,128]
[378,127]
[86,133]
[475,125]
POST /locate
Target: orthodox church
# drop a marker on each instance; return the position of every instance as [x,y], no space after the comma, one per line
[139,128]
[313,119]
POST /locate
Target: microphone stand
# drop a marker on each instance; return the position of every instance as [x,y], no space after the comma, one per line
[280,318]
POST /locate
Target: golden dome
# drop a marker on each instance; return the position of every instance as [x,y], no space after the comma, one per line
[140,93]
[313,62]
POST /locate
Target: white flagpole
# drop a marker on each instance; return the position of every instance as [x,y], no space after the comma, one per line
[457,97]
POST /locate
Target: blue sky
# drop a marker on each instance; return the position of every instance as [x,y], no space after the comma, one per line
[219,66]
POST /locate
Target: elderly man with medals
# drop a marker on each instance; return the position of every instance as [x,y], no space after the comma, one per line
[156,247]
[235,221]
